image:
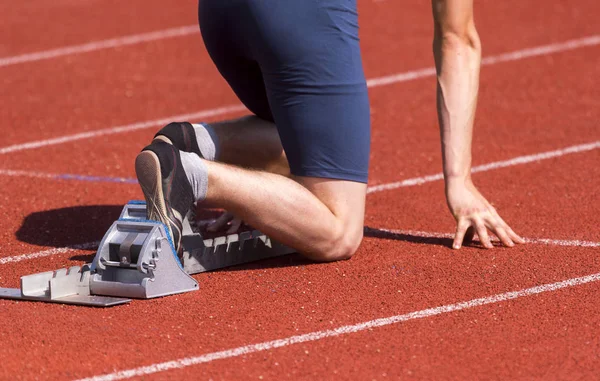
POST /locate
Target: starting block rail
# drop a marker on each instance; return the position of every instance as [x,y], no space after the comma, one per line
[136,259]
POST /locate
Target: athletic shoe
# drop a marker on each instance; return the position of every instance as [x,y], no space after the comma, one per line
[166,188]
[181,135]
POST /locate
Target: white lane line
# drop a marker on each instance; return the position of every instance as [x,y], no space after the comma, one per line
[561,242]
[49,252]
[416,233]
[20,173]
[378,188]
[486,167]
[120,129]
[374,82]
[492,60]
[65,176]
[372,189]
[344,330]
[99,45]
[539,241]
[543,50]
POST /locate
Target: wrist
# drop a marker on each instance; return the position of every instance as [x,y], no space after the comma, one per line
[457,180]
[457,176]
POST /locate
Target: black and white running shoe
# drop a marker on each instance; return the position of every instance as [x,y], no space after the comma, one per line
[181,135]
[166,188]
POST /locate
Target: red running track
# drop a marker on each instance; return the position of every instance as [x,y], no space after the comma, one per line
[526,107]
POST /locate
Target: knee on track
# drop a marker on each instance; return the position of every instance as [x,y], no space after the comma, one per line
[342,244]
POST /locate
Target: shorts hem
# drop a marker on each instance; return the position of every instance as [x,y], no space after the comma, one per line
[334,174]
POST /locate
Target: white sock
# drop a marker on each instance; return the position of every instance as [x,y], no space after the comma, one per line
[196,172]
[208,141]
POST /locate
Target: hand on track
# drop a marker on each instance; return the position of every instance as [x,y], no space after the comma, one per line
[225,220]
[474,214]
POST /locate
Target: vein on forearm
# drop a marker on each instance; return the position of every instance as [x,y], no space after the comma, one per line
[457,64]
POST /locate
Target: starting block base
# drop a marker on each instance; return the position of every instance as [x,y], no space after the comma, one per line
[136,259]
[79,300]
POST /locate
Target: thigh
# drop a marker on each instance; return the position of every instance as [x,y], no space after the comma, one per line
[220,27]
[310,58]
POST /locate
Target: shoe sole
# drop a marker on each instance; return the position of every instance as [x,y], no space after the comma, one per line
[147,169]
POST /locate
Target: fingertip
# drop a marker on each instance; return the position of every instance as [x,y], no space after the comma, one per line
[508,242]
[515,237]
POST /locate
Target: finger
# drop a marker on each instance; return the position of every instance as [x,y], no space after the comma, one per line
[496,225]
[235,226]
[483,235]
[202,225]
[504,238]
[469,235]
[461,229]
[220,222]
[514,236]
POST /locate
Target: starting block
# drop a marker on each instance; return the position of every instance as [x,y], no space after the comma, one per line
[136,259]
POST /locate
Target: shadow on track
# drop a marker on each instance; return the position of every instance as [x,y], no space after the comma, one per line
[383,234]
[296,259]
[431,240]
[68,226]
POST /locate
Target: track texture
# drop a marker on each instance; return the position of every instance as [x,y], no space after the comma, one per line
[527,106]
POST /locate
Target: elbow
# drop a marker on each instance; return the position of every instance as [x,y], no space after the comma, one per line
[448,36]
[456,41]
[454,24]
[464,37]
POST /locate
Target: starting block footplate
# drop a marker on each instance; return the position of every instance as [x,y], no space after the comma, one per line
[79,300]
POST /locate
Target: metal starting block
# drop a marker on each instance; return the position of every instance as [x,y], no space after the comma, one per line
[67,286]
[136,259]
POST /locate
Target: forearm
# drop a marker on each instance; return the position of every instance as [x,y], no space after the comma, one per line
[457,52]
[458,59]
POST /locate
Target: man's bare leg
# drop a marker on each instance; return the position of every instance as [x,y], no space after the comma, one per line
[321,218]
[251,142]
[248,142]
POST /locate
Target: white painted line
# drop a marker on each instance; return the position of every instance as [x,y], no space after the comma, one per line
[401,77]
[539,241]
[20,173]
[561,242]
[372,189]
[375,82]
[66,176]
[486,167]
[543,50]
[344,330]
[50,252]
[99,45]
[120,129]
[492,60]
[416,233]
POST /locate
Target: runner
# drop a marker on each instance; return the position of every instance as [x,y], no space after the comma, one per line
[297,169]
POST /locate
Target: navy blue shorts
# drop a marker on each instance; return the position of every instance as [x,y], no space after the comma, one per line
[297,63]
